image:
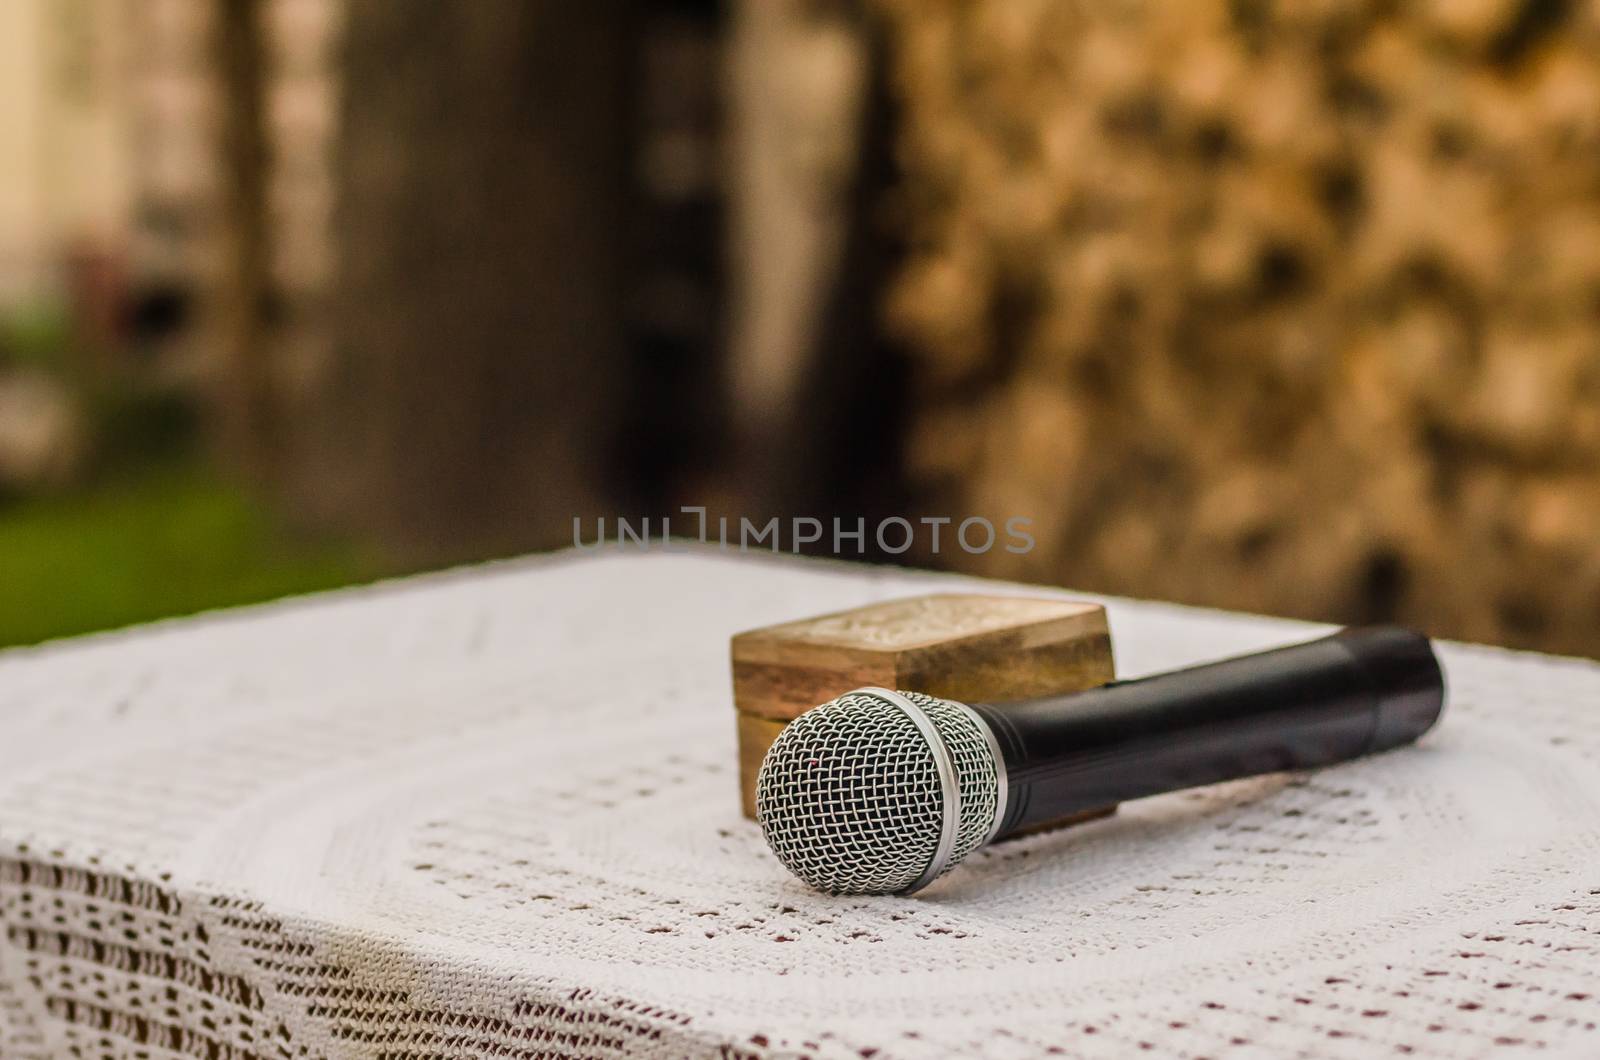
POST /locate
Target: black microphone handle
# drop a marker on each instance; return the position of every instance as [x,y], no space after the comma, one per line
[1359,691]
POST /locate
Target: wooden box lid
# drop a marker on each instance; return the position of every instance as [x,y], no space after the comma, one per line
[956,645]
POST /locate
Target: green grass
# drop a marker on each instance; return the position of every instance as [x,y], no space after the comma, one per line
[163,543]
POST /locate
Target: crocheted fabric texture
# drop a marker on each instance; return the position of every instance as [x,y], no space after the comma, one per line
[495,814]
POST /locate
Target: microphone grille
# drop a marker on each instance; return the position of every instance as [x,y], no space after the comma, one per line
[850,796]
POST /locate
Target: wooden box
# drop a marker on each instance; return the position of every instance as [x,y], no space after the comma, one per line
[958,646]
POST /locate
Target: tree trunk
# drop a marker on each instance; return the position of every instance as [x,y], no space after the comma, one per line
[246,404]
[478,322]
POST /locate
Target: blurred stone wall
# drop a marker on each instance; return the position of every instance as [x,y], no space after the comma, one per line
[1282,307]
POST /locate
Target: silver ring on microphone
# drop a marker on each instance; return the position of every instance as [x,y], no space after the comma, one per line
[999,769]
[951,788]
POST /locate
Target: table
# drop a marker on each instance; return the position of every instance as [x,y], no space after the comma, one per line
[494,813]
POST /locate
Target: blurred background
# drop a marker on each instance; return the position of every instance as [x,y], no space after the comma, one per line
[1283,307]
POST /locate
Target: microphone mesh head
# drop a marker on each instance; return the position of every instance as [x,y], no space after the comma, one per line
[850,798]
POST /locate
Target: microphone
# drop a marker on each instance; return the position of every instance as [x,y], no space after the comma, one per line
[881,792]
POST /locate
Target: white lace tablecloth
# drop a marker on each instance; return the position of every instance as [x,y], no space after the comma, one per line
[494,814]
